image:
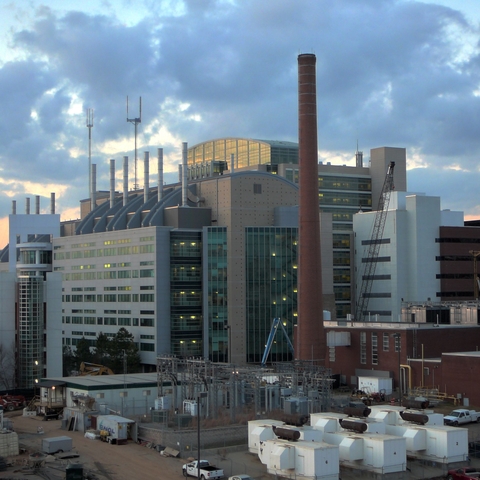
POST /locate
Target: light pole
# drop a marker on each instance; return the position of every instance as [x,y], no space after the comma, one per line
[398,338]
[199,398]
[229,333]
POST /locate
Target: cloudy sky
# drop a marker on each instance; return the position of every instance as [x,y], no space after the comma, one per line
[399,73]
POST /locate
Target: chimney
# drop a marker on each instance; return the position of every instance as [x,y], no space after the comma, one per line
[52,203]
[310,341]
[184,175]
[27,205]
[160,173]
[14,207]
[93,199]
[37,204]
[125,180]
[146,174]
[112,182]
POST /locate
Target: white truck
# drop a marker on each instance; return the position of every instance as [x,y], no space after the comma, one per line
[207,471]
[461,416]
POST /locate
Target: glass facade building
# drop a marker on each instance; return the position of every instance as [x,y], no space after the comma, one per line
[271,277]
[216,293]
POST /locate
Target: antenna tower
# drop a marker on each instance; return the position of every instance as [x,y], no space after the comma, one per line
[89,126]
[135,122]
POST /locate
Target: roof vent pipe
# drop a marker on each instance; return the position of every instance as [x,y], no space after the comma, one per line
[112,182]
[184,174]
[52,203]
[37,204]
[14,207]
[93,199]
[160,173]
[232,161]
[125,180]
[146,174]
[27,206]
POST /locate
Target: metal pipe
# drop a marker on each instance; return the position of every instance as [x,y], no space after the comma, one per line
[27,205]
[184,174]
[112,182]
[160,173]
[52,203]
[37,204]
[125,180]
[146,174]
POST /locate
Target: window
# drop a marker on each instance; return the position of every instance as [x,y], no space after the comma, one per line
[124,322]
[146,249]
[77,298]
[110,297]
[109,321]
[147,297]
[146,273]
[363,348]
[124,274]
[147,347]
[398,343]
[124,297]
[386,342]
[374,348]
[146,322]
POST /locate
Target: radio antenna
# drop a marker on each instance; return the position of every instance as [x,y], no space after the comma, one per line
[89,126]
[135,122]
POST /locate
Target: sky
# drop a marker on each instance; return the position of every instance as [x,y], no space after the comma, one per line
[398,73]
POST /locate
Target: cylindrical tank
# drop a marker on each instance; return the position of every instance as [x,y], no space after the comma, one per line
[357,411]
[347,424]
[286,433]
[419,418]
[411,403]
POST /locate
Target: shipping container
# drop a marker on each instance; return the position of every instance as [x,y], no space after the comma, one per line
[57,444]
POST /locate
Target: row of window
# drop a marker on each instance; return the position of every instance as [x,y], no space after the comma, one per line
[374,346]
[143,347]
[110,297]
[106,275]
[121,321]
[104,252]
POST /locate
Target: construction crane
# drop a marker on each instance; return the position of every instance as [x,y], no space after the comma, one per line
[90,369]
[374,245]
[268,346]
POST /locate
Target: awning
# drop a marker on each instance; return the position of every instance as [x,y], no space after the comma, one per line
[50,383]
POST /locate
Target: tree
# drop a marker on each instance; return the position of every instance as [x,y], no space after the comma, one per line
[82,352]
[69,361]
[102,350]
[124,349]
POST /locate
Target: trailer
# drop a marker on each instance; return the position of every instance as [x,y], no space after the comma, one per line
[57,444]
[115,429]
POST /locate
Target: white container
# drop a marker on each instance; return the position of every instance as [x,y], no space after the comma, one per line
[260,431]
[116,426]
[163,403]
[375,384]
[57,444]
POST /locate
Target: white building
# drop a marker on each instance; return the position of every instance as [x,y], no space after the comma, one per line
[407,265]
[30,300]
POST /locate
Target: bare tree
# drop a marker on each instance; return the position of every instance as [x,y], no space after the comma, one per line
[7,367]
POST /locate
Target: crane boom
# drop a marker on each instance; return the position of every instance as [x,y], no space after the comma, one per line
[374,245]
[275,324]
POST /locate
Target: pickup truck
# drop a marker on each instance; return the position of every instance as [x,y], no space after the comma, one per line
[461,416]
[207,471]
[464,473]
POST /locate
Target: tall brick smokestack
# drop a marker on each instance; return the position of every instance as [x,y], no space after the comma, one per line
[310,335]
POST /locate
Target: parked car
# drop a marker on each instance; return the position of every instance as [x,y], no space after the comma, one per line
[207,471]
[464,473]
[461,416]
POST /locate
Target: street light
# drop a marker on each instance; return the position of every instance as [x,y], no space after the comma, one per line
[398,337]
[229,333]
[199,397]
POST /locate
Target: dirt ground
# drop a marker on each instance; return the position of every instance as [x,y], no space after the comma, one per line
[100,460]
[111,462]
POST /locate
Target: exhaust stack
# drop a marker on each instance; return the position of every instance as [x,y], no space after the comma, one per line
[52,203]
[160,173]
[93,199]
[146,174]
[310,341]
[27,205]
[125,180]
[112,182]
[14,207]
[184,175]
[37,204]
